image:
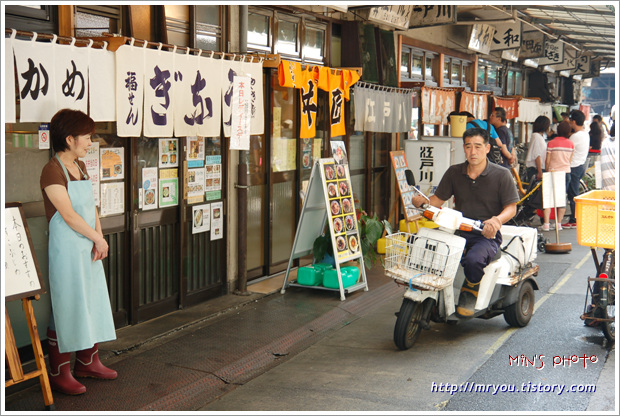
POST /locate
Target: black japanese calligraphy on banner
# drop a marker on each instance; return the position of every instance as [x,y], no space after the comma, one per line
[71,77]
[432,15]
[36,80]
[507,36]
[159,73]
[22,277]
[570,61]
[532,45]
[129,90]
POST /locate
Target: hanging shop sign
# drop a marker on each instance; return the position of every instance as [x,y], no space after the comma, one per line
[395,16]
[554,53]
[10,113]
[481,38]
[432,15]
[386,110]
[533,45]
[511,55]
[511,105]
[240,114]
[158,78]
[507,36]
[582,66]
[569,62]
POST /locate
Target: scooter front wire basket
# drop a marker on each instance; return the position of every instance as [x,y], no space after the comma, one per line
[422,262]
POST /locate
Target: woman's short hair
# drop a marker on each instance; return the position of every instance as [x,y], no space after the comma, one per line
[541,124]
[564,129]
[67,122]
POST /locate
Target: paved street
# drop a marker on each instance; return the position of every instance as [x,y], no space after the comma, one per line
[306,350]
[358,368]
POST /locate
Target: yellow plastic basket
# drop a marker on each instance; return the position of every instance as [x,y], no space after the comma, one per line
[596,219]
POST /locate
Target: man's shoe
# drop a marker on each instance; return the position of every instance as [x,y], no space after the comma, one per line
[467,299]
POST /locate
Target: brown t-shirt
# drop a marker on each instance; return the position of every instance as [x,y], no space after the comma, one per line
[52,174]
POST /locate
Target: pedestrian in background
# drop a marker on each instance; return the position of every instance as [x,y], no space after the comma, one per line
[560,151]
[81,314]
[608,163]
[537,151]
[505,142]
[581,140]
[596,138]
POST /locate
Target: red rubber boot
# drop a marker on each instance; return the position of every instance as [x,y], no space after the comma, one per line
[87,364]
[61,378]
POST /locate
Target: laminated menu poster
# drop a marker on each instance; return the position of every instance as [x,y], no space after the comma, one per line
[341,210]
[195,185]
[195,152]
[112,163]
[399,162]
[201,218]
[217,220]
[91,160]
[149,188]
[168,153]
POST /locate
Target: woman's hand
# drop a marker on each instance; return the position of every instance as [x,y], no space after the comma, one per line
[100,249]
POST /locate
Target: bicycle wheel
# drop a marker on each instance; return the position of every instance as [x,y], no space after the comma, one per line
[607,296]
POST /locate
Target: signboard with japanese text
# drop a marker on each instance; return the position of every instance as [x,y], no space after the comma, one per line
[432,15]
[481,38]
[240,114]
[582,66]
[112,163]
[437,104]
[428,160]
[399,163]
[91,160]
[112,198]
[395,16]
[22,277]
[595,70]
[554,53]
[532,45]
[570,60]
[507,36]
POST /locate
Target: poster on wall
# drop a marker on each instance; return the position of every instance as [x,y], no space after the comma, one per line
[399,163]
[168,192]
[91,160]
[149,188]
[195,185]
[112,198]
[339,152]
[217,221]
[341,210]
[195,152]
[213,177]
[112,166]
[168,155]
[201,218]
[241,116]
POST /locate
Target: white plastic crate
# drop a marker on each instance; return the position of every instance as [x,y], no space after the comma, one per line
[427,260]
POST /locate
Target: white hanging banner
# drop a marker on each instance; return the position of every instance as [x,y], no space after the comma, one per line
[211,72]
[36,79]
[555,184]
[101,84]
[129,90]
[255,72]
[230,69]
[72,77]
[158,91]
[240,114]
[188,104]
[9,82]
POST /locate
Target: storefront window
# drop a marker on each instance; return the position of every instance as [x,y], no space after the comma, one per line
[314,44]
[429,68]
[482,74]
[518,83]
[456,70]
[510,82]
[208,28]
[258,31]
[416,66]
[287,38]
[404,64]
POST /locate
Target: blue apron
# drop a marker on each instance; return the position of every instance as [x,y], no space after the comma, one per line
[78,288]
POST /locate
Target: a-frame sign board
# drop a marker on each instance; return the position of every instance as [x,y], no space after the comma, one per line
[22,280]
[329,198]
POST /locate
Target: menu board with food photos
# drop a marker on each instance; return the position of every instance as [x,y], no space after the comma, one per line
[399,162]
[329,199]
[341,210]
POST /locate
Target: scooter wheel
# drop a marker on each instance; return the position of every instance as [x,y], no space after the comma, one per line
[519,313]
[408,324]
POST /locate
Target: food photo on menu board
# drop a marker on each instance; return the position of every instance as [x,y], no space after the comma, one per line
[168,153]
[339,152]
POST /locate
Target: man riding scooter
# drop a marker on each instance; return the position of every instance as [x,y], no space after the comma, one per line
[483,191]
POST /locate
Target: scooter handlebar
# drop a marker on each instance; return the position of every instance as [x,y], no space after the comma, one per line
[430,212]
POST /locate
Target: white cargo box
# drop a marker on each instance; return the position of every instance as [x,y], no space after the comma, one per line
[520,242]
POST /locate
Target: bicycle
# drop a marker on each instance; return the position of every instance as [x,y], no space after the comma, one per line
[596,211]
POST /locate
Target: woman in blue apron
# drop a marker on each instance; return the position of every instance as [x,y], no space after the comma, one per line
[81,312]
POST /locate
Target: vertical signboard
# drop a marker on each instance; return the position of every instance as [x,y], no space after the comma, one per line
[481,38]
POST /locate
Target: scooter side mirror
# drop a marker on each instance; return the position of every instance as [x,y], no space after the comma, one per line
[410,178]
